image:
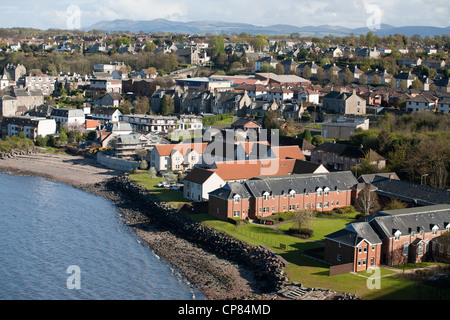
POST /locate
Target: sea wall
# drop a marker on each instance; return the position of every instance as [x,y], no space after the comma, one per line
[116,163]
[265,265]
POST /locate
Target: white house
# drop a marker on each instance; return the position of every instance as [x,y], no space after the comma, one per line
[105,114]
[199,182]
[32,126]
[68,117]
[420,103]
[171,157]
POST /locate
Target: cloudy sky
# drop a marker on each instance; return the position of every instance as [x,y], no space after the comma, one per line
[44,14]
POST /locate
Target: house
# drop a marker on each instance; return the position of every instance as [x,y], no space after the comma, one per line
[342,157]
[420,103]
[106,114]
[388,186]
[173,157]
[265,60]
[343,128]
[387,237]
[204,84]
[444,106]
[404,77]
[342,102]
[409,62]
[230,102]
[33,127]
[312,67]
[246,124]
[144,122]
[264,196]
[290,66]
[434,64]
[110,99]
[71,118]
[199,183]
[279,93]
[443,85]
[106,85]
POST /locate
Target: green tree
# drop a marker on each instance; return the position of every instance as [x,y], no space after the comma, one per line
[167,105]
[307,135]
[317,140]
[269,121]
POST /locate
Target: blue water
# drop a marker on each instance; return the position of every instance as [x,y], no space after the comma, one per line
[46,227]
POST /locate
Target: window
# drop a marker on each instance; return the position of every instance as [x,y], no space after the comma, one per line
[405,248]
[364,262]
[266,209]
[365,248]
[319,192]
[339,257]
[306,206]
[236,214]
[337,203]
[319,205]
[420,250]
[291,207]
[441,248]
[325,204]
[373,248]
[359,262]
[359,249]
[237,198]
[372,261]
[266,196]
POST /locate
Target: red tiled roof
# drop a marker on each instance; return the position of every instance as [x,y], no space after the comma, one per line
[285,152]
[240,170]
[166,149]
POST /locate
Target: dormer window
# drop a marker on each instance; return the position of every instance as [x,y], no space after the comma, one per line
[397,234]
[237,198]
[435,229]
[292,193]
[266,195]
[319,191]
[327,191]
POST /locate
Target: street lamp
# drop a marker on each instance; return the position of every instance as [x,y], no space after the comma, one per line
[421,177]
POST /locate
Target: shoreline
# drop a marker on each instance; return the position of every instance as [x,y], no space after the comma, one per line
[216,278]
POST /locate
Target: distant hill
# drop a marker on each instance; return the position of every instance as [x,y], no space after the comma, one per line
[219,27]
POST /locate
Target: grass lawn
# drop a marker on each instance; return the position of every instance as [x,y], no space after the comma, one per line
[173,198]
[313,273]
[323,226]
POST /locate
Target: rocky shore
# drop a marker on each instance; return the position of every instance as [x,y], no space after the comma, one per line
[222,267]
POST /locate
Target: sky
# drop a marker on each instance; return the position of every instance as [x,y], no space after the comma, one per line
[73,14]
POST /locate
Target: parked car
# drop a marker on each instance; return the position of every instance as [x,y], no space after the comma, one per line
[175,188]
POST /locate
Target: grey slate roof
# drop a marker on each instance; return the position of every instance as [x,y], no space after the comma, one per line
[411,192]
[411,220]
[198,175]
[354,233]
[231,189]
[301,183]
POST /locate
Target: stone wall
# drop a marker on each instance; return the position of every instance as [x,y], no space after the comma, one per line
[116,163]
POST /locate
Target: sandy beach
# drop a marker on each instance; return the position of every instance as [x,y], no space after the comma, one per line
[72,170]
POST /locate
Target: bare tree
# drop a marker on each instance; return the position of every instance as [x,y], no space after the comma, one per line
[304,218]
[367,200]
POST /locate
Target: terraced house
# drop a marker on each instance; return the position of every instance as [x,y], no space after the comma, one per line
[264,196]
[389,237]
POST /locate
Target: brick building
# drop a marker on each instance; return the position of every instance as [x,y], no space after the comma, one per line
[264,196]
[388,237]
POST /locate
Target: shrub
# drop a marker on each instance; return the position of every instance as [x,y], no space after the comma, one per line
[305,233]
[284,216]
